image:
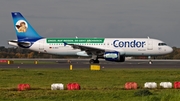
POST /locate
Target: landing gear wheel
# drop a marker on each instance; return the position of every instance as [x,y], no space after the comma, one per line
[93,61]
[150,62]
[96,61]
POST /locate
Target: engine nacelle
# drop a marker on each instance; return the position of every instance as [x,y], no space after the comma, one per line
[114,56]
[24,44]
[82,53]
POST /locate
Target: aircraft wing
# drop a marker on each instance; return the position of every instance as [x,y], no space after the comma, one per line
[89,50]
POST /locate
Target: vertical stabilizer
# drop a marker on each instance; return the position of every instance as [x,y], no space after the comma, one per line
[24,30]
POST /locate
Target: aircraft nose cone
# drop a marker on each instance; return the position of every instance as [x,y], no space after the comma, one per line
[170,49]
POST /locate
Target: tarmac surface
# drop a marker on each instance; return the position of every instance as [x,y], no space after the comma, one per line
[84,64]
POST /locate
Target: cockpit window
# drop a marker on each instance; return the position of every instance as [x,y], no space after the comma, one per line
[162,44]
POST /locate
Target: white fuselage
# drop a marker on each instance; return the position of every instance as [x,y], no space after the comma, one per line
[126,46]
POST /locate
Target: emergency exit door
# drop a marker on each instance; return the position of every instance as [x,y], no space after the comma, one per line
[41,45]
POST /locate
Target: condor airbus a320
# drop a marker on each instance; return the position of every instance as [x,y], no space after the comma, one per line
[110,49]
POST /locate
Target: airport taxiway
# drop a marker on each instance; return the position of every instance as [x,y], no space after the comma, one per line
[83,64]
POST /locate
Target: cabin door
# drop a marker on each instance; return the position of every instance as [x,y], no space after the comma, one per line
[149,44]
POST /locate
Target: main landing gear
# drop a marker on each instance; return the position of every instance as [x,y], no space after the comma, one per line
[93,61]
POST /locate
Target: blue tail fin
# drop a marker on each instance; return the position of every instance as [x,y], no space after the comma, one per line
[24,30]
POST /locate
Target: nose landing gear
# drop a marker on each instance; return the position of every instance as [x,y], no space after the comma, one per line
[150,62]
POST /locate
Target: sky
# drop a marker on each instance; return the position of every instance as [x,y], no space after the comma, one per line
[158,19]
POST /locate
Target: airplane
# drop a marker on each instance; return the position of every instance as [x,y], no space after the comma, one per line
[110,49]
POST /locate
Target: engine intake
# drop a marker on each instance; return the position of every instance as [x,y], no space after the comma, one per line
[114,56]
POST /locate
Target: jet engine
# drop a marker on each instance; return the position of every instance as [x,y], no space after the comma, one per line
[114,56]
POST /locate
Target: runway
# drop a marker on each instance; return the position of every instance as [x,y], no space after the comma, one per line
[84,64]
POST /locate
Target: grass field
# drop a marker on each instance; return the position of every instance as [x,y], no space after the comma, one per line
[103,85]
